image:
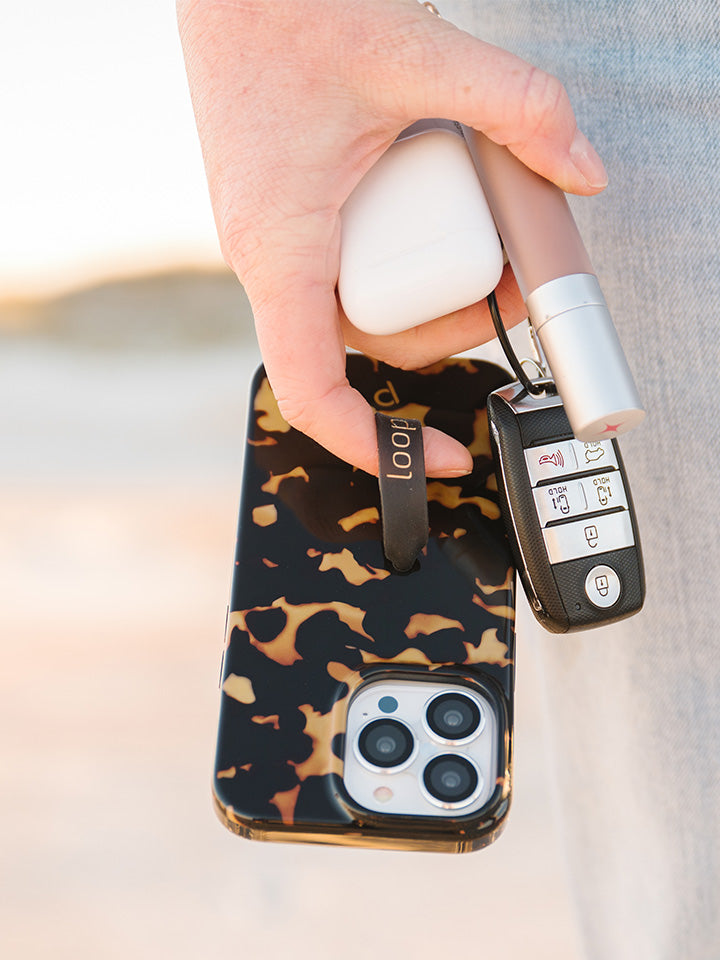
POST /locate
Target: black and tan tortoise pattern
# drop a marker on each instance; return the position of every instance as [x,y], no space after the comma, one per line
[316,610]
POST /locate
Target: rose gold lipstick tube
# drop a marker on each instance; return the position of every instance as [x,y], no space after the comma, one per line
[565,303]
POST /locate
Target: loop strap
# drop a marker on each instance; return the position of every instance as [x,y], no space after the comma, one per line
[403,491]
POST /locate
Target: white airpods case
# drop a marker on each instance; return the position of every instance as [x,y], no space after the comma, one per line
[418,240]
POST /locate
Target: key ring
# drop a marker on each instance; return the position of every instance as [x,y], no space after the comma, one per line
[532,387]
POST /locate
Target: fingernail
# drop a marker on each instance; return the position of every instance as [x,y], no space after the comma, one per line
[587,162]
[447,472]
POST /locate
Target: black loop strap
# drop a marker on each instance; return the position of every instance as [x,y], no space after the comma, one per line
[403,491]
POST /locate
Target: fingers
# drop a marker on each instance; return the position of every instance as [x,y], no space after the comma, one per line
[295,100]
[445,72]
[299,335]
[462,330]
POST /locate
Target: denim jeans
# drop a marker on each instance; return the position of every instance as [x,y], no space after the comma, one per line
[634,709]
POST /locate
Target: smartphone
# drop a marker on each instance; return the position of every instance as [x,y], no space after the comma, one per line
[360,705]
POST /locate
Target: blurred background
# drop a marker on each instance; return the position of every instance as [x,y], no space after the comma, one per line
[125,354]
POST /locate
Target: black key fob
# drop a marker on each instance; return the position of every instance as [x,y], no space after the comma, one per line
[568,513]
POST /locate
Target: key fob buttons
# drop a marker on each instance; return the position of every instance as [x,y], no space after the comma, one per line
[568,513]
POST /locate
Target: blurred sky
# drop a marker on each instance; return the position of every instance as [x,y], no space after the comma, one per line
[100,167]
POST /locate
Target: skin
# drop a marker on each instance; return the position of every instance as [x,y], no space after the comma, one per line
[294,101]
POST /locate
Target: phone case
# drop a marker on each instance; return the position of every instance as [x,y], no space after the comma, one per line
[316,611]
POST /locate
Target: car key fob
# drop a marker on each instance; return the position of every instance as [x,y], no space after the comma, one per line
[568,512]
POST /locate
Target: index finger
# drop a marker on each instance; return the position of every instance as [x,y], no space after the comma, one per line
[302,346]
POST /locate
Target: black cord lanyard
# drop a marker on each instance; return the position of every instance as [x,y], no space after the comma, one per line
[512,359]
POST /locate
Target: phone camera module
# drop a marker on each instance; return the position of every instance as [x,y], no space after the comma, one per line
[451,780]
[385,743]
[453,716]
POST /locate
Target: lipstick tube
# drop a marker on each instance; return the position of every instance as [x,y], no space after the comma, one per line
[565,303]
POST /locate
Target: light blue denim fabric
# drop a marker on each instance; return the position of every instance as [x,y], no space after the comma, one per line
[634,709]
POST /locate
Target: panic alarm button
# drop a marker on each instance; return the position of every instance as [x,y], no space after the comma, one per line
[551,460]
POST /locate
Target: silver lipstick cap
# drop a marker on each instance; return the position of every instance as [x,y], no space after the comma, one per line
[586,359]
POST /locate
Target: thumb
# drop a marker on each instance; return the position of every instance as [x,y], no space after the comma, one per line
[445,72]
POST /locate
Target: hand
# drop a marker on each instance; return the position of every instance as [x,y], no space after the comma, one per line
[295,100]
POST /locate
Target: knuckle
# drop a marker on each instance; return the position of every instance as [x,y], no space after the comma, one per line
[297,408]
[302,242]
[417,352]
[238,248]
[399,49]
[236,220]
[544,101]
[311,412]
[295,411]
[232,228]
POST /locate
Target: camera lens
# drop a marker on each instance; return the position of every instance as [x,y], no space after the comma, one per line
[386,743]
[453,716]
[450,779]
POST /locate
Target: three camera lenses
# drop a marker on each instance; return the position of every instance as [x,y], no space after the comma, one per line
[453,716]
[386,743]
[421,747]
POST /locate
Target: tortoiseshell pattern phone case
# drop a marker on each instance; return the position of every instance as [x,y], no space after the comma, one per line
[317,613]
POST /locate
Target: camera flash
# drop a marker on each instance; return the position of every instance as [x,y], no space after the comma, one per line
[383,794]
